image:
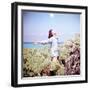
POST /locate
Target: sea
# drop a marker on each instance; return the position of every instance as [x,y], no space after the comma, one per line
[32,45]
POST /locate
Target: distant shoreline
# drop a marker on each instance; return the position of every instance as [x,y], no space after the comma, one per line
[32,42]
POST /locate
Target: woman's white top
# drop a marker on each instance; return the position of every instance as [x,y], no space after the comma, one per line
[53,41]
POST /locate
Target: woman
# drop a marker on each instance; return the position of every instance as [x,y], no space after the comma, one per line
[53,41]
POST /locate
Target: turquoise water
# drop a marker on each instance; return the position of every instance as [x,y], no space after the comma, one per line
[31,45]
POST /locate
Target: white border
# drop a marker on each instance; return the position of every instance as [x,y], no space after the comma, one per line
[54,78]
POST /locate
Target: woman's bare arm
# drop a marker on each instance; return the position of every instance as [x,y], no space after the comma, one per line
[42,42]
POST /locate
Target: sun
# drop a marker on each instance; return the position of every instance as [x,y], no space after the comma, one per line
[51,15]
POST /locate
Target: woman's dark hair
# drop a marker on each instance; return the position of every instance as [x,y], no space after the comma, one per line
[50,33]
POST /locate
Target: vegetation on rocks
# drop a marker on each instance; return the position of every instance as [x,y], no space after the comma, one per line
[37,61]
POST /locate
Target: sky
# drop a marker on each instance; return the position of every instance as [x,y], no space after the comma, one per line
[37,24]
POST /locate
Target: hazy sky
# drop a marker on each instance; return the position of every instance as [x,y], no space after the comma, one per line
[37,24]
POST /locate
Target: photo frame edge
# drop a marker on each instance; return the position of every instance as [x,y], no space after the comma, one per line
[14,43]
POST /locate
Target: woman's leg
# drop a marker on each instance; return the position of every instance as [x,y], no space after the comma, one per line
[54,59]
[55,64]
